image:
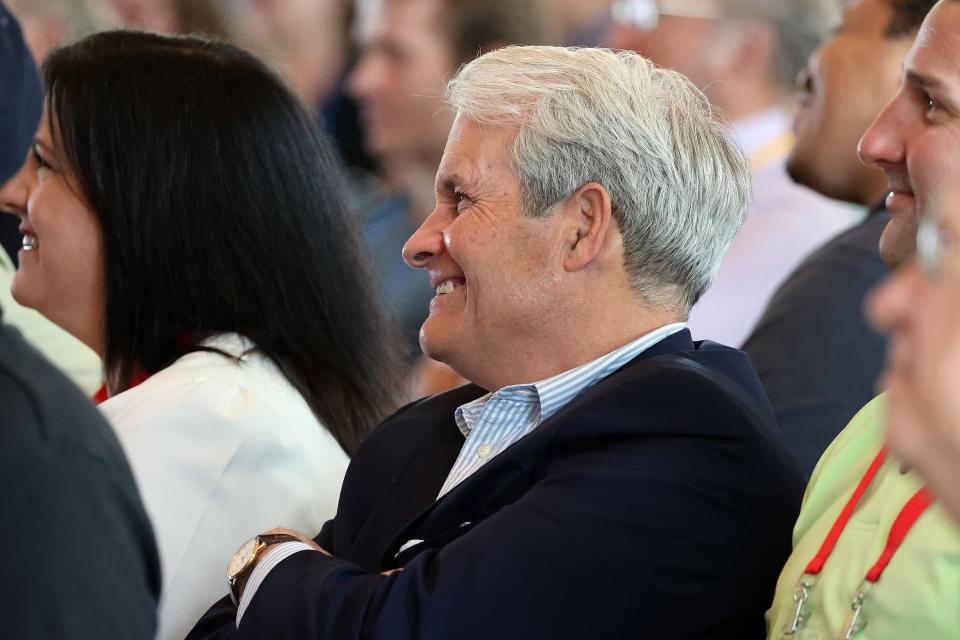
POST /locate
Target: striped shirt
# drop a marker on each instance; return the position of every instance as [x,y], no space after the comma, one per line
[495,421]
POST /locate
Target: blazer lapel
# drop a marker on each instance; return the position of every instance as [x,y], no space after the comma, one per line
[502,480]
[418,482]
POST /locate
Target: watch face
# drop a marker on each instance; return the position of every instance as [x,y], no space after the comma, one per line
[242,557]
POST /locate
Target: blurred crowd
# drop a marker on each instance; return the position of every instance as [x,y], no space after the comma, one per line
[817,142]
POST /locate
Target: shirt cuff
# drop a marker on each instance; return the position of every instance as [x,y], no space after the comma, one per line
[270,559]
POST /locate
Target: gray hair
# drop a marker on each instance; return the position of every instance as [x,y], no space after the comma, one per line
[678,181]
[800,26]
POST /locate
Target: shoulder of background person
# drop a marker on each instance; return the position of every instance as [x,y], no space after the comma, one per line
[80,543]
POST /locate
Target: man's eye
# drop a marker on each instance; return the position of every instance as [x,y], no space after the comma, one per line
[932,106]
[460,198]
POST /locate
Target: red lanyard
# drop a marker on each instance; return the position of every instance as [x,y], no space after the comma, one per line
[901,526]
[904,521]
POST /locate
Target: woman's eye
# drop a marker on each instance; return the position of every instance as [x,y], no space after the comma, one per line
[41,163]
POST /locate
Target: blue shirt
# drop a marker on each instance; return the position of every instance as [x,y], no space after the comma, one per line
[495,421]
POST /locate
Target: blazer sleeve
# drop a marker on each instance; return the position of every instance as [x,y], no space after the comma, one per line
[624,537]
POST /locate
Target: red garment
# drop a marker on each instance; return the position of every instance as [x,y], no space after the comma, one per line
[102,394]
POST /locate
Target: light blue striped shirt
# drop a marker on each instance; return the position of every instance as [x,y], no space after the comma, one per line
[495,421]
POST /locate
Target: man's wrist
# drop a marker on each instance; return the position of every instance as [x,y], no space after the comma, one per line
[273,556]
[246,558]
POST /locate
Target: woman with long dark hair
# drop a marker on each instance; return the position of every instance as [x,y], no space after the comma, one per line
[183,217]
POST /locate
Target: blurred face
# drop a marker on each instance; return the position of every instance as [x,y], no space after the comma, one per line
[61,264]
[400,78]
[845,84]
[304,38]
[916,138]
[681,43]
[919,307]
[149,15]
[493,267]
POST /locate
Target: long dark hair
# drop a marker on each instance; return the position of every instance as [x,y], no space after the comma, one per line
[222,210]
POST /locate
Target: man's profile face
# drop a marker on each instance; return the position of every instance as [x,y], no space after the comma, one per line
[845,84]
[400,77]
[916,138]
[496,270]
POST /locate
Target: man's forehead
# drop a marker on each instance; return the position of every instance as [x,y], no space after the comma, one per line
[368,20]
[933,59]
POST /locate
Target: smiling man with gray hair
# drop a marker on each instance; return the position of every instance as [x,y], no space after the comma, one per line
[603,475]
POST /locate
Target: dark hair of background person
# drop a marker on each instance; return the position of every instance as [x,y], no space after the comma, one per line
[475,27]
[221,211]
[907,16]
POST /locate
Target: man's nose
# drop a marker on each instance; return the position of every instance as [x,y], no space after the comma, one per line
[426,242]
[883,142]
[360,80]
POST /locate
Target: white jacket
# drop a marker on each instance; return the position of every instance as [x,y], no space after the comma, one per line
[222,452]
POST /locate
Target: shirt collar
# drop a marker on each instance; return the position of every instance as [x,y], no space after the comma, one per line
[553,393]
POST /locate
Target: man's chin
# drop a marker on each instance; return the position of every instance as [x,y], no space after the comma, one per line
[898,243]
[800,170]
[433,347]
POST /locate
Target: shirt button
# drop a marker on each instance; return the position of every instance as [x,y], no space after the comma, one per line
[484,450]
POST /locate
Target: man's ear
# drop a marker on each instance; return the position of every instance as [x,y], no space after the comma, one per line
[590,220]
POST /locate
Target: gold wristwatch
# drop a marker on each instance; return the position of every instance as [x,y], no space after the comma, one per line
[246,557]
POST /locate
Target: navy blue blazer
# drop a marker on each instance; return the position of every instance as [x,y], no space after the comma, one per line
[658,504]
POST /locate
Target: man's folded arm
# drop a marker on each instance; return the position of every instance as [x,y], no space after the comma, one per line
[601,546]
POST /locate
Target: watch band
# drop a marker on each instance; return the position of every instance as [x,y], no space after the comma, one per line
[264,542]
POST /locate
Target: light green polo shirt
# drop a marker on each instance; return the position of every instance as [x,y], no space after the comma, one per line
[918,596]
[74,358]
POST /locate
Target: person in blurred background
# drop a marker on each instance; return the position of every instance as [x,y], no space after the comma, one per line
[309,43]
[48,24]
[201,17]
[80,558]
[583,23]
[409,48]
[819,309]
[745,54]
[870,550]
[184,217]
[919,307]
